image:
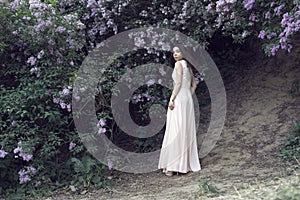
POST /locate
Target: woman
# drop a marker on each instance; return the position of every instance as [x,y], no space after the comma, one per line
[179,149]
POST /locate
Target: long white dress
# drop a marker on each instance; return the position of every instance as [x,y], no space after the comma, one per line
[179,148]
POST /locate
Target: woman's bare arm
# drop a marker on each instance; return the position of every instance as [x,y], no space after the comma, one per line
[178,82]
[193,82]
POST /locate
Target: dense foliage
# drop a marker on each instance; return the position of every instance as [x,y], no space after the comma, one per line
[291,147]
[43,44]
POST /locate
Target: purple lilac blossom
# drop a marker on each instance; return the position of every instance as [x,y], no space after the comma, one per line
[26,18]
[90,3]
[277,10]
[219,5]
[289,47]
[40,54]
[197,80]
[35,69]
[14,123]
[288,31]
[17,150]
[138,98]
[274,49]
[209,7]
[110,165]
[82,89]
[22,172]
[150,82]
[79,24]
[166,22]
[14,5]
[77,98]
[3,153]
[37,183]
[70,3]
[26,157]
[69,108]
[252,17]
[139,42]
[101,130]
[128,79]
[59,61]
[149,97]
[63,105]
[24,179]
[291,24]
[35,4]
[248,4]
[51,42]
[72,145]
[66,91]
[31,60]
[101,122]
[201,75]
[244,34]
[71,43]
[231,1]
[268,15]
[285,19]
[110,22]
[162,71]
[283,46]
[23,176]
[97,90]
[56,100]
[273,34]
[31,169]
[261,34]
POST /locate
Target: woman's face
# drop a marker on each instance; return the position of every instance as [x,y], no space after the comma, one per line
[177,53]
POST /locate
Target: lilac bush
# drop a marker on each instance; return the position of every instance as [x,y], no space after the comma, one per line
[40,49]
[198,19]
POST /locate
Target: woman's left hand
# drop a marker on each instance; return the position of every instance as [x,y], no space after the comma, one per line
[171,105]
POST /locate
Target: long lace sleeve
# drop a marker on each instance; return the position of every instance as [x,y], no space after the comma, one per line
[178,81]
[193,83]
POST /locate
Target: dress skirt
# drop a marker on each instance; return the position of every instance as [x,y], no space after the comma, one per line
[179,148]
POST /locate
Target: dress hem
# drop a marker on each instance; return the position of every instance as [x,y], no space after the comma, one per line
[184,172]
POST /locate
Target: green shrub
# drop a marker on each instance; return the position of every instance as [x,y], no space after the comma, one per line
[292,192]
[206,189]
[295,89]
[291,147]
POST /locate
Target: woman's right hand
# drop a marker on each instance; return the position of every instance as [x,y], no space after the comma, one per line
[171,105]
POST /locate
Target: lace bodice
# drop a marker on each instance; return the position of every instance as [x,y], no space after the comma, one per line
[186,75]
